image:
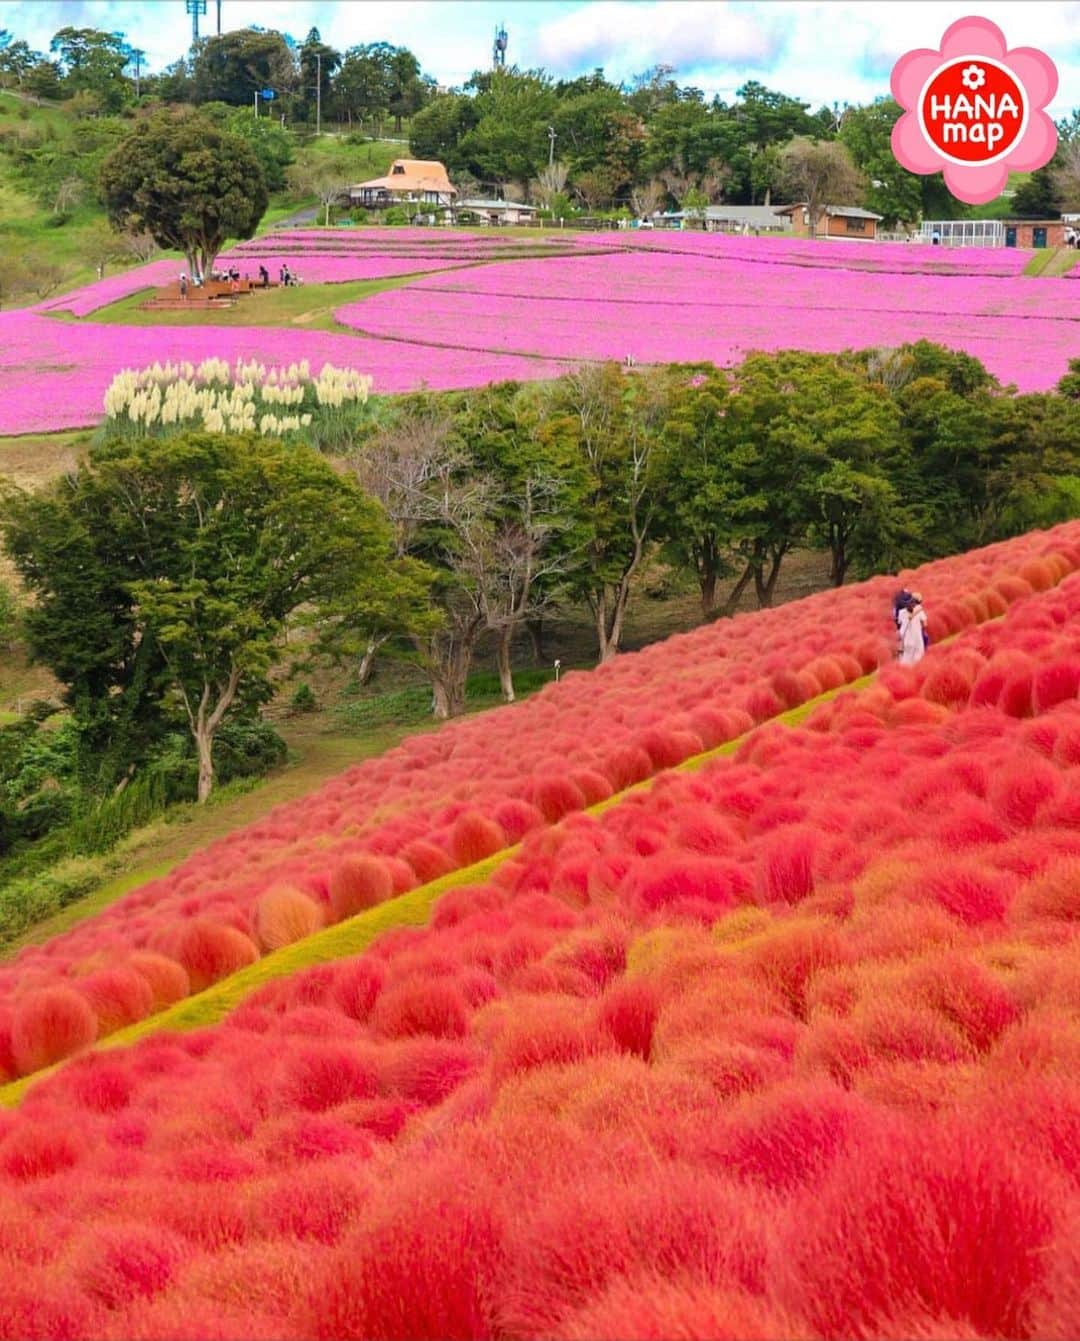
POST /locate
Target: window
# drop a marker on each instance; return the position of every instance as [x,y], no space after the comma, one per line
[397,170]
[856,225]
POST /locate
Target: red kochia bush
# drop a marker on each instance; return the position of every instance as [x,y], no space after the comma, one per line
[168,980]
[1021,788]
[1056,683]
[120,1263]
[629,1010]
[210,951]
[359,883]
[425,1006]
[427,859]
[421,1265]
[118,997]
[555,797]
[786,864]
[317,1076]
[284,915]
[49,1025]
[652,1307]
[959,1223]
[474,837]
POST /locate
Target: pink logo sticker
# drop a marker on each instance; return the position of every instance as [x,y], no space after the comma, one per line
[974,109]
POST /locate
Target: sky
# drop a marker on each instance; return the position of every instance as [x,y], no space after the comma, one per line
[823,51]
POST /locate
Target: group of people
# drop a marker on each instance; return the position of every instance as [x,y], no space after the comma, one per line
[910,619]
[287,278]
[197,281]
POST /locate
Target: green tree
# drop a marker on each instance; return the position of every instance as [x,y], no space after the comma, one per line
[700,491]
[437,131]
[867,133]
[16,62]
[233,67]
[271,144]
[164,573]
[614,424]
[93,62]
[318,64]
[186,182]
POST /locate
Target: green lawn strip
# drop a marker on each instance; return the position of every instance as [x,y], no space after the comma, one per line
[308,305]
[341,941]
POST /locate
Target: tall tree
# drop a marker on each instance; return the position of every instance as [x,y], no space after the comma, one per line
[164,572]
[819,173]
[93,62]
[233,67]
[187,183]
[318,63]
[867,133]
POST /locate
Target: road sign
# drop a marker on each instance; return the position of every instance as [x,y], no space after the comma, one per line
[267,95]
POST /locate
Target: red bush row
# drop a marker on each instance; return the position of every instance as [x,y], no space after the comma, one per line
[788,1046]
[446,799]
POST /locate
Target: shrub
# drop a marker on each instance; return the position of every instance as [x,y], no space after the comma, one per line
[318,1076]
[474,837]
[434,1007]
[121,1263]
[961,1226]
[118,997]
[169,981]
[628,1011]
[284,915]
[359,883]
[210,951]
[49,1025]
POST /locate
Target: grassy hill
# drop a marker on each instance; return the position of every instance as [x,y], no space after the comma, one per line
[70,240]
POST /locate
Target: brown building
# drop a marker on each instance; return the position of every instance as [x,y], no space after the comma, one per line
[833,221]
[410,181]
[1035,233]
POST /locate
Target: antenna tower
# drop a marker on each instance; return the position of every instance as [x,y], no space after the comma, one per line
[195,8]
[498,50]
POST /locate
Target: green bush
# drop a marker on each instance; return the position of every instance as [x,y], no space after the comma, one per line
[396,215]
[304,699]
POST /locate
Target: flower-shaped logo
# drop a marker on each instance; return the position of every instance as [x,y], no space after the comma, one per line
[974,77]
[975,109]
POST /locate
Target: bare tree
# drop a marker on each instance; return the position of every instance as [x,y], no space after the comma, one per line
[327,182]
[819,173]
[648,198]
[713,181]
[550,182]
[139,246]
[68,194]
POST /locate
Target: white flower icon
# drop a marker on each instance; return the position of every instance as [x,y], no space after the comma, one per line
[973,76]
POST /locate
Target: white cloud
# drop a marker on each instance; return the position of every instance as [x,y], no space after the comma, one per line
[627,36]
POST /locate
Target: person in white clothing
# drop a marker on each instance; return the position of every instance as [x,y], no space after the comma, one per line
[912,627]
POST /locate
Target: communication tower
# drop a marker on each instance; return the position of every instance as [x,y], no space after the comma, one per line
[195,8]
[498,51]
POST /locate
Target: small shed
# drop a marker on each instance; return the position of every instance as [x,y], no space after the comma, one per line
[728,219]
[833,221]
[497,211]
[1036,233]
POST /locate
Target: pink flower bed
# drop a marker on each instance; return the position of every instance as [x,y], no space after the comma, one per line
[899,257]
[445,799]
[53,375]
[105,291]
[664,308]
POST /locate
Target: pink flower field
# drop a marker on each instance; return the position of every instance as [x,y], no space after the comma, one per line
[657,296]
[669,307]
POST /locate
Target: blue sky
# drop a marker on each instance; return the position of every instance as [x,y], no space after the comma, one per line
[832,50]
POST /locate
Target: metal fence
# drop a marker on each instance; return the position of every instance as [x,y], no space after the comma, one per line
[964,232]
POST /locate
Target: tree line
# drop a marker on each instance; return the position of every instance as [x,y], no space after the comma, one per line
[585,143]
[166,572]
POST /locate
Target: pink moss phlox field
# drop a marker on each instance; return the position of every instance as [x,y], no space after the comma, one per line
[446,799]
[656,296]
[788,1046]
[54,374]
[664,307]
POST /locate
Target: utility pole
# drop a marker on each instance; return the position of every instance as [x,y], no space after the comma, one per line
[552,137]
[256,102]
[318,93]
[219,18]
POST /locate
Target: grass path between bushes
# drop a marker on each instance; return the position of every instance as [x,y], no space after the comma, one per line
[355,934]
